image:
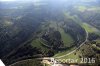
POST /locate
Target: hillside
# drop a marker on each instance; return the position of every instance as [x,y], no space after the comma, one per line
[38,29]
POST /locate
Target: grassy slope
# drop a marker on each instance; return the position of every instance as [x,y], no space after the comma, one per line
[68,16]
[81,8]
[86,26]
[72,56]
[37,43]
[66,38]
[90,29]
[64,52]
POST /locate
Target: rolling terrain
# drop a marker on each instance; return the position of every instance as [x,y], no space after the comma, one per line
[67,29]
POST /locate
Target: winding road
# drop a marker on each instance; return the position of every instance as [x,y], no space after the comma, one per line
[51,58]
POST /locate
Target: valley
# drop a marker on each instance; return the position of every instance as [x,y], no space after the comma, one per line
[43,29]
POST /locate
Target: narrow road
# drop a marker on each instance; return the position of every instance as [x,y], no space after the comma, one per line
[51,58]
[76,48]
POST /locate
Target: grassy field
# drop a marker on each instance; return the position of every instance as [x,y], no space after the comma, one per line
[74,56]
[64,52]
[89,28]
[68,16]
[37,43]
[66,38]
[81,8]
